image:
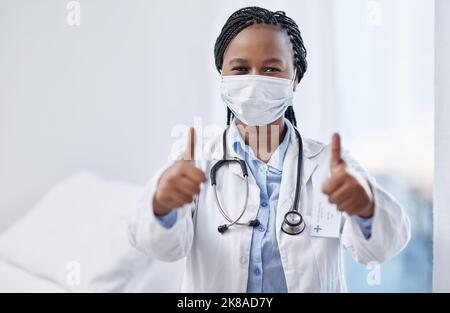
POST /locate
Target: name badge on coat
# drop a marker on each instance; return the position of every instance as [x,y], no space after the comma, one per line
[325,220]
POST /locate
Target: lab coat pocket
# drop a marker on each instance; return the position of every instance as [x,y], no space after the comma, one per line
[326,252]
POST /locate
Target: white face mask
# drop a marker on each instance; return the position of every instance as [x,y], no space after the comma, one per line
[257,100]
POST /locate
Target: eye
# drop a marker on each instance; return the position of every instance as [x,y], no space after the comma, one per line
[271,70]
[240,69]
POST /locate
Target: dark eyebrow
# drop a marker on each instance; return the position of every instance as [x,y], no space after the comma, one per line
[237,60]
[273,60]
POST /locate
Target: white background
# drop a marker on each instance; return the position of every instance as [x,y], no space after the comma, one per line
[441,274]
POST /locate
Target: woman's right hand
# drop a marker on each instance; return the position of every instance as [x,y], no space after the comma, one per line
[180,182]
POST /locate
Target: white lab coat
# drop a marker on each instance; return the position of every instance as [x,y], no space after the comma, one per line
[220,262]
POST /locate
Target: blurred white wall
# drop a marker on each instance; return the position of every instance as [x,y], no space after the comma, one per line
[441,273]
[384,59]
[102,96]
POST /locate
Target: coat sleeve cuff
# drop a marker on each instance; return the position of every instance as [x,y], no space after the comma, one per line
[168,220]
[365,224]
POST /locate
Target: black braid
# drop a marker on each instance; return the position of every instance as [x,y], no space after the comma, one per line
[248,16]
[229,116]
[290,115]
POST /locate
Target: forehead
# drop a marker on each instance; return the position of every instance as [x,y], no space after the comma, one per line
[260,41]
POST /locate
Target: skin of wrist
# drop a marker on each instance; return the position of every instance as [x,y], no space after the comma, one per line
[159,209]
[368,212]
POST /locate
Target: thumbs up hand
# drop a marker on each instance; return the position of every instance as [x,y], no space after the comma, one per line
[180,182]
[343,189]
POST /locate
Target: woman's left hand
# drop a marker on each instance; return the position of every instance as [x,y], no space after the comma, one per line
[343,189]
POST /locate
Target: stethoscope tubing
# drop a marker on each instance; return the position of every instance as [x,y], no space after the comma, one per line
[224,214]
[255,222]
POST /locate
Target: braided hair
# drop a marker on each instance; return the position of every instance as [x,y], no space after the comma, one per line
[248,16]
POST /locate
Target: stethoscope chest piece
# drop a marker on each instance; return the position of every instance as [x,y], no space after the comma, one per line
[293,223]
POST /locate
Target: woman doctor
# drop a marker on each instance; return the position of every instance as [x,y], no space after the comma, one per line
[305,201]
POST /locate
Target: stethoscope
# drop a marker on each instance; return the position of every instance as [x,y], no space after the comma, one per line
[293,223]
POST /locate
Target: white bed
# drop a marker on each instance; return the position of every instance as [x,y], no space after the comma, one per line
[14,279]
[75,240]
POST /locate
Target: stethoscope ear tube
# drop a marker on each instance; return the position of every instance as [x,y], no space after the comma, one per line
[223,228]
[221,163]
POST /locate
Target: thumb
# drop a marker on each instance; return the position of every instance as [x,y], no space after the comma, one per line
[189,152]
[335,151]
